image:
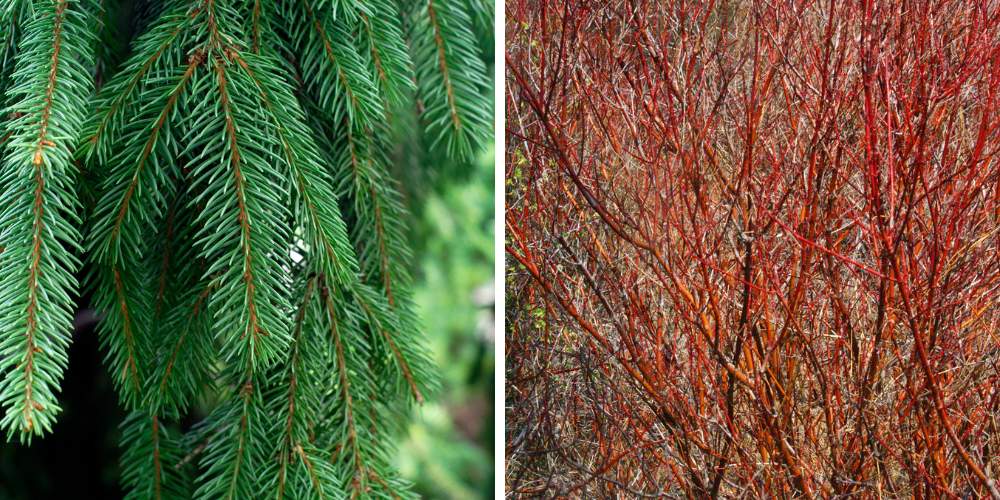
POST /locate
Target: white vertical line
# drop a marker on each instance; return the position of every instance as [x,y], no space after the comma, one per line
[499,279]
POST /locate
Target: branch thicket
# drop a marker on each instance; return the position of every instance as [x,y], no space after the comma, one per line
[753,248]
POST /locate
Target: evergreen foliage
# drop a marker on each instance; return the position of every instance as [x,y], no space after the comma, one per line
[242,235]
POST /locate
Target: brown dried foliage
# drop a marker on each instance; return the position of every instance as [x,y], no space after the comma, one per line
[753,248]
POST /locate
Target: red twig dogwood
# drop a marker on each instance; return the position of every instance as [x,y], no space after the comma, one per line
[753,248]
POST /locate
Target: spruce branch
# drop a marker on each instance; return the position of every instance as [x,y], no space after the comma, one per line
[379,238]
[298,388]
[382,38]
[238,224]
[316,199]
[450,76]
[481,12]
[184,354]
[244,240]
[361,456]
[38,226]
[137,179]
[234,459]
[155,50]
[150,454]
[334,71]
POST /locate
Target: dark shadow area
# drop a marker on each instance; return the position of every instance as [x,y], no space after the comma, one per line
[79,459]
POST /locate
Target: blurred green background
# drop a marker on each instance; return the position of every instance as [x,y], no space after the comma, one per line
[449,450]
